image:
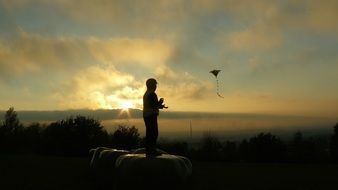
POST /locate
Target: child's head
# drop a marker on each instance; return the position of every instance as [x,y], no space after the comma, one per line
[151,84]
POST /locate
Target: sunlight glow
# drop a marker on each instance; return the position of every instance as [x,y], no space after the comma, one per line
[125,105]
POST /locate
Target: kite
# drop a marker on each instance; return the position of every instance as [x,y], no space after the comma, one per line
[215,73]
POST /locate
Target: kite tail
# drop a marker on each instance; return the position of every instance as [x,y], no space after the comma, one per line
[218,89]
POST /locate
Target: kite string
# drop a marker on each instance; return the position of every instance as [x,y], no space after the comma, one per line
[217,88]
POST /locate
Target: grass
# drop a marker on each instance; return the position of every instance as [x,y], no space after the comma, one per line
[264,176]
[44,172]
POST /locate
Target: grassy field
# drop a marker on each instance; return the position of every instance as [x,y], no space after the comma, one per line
[43,172]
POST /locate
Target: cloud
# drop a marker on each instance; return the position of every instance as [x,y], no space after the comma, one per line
[106,87]
[149,53]
[257,24]
[142,15]
[325,54]
[26,53]
[190,90]
[255,62]
[302,14]
[320,16]
[184,86]
[132,40]
[257,37]
[131,12]
[14,4]
[99,87]
[266,24]
[86,72]
[261,26]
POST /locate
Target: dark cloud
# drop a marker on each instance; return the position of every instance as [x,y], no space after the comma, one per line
[26,53]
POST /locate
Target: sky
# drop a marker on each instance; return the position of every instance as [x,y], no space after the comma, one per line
[275,56]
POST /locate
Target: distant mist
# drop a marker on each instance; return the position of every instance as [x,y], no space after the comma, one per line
[101,114]
[194,124]
[108,114]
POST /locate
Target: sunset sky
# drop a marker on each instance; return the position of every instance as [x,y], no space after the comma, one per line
[276,57]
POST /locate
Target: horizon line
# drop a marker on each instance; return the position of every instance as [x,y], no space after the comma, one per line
[257,114]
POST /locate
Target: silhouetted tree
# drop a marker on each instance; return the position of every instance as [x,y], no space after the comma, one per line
[244,149]
[297,138]
[305,150]
[32,137]
[334,144]
[11,131]
[229,151]
[74,136]
[320,146]
[126,138]
[264,147]
[211,148]
[11,125]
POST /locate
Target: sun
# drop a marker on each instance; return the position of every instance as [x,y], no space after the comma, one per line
[125,105]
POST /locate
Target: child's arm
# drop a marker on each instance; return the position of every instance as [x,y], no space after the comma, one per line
[155,103]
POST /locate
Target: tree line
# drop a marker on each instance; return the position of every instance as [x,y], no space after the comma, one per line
[75,135]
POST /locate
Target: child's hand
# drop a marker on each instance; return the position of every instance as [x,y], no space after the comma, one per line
[161,104]
[161,101]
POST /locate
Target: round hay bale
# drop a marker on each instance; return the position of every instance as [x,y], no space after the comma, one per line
[161,172]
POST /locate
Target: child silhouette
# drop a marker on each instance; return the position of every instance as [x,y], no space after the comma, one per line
[151,106]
